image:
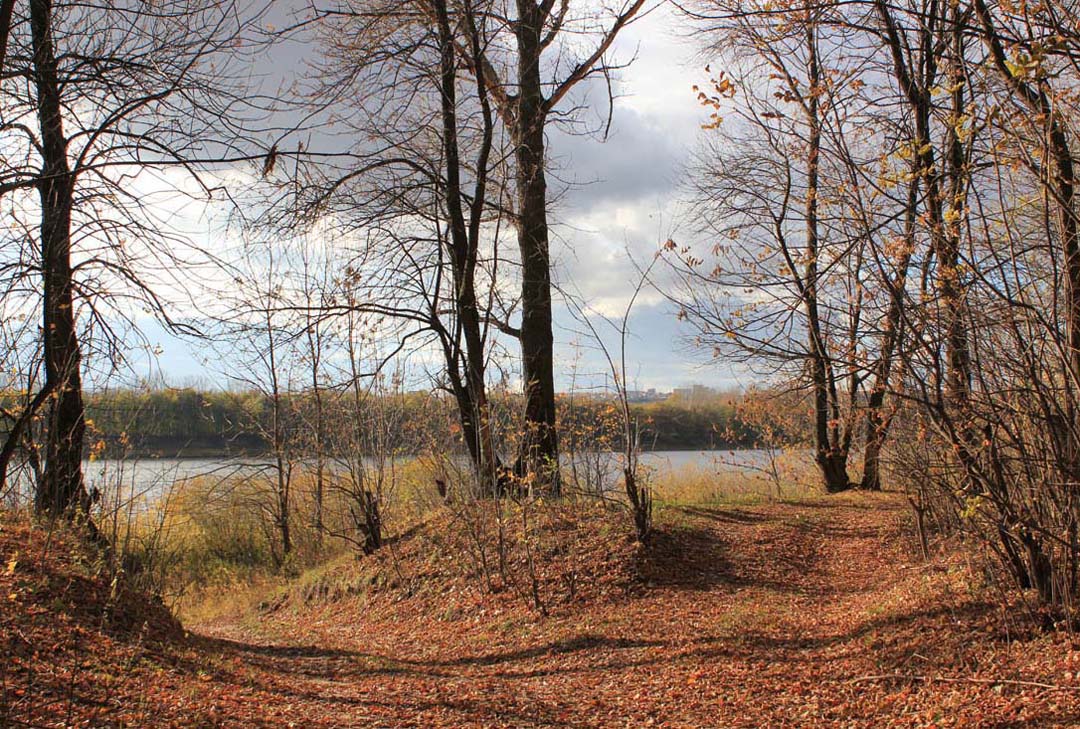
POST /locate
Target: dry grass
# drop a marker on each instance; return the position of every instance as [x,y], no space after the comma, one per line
[720,483]
[211,541]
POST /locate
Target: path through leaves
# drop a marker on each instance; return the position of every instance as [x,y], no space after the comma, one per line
[815,614]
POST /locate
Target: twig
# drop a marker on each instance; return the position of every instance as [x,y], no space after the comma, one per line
[943,679]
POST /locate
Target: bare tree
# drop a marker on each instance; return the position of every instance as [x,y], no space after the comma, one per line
[422,202]
[972,185]
[114,89]
[530,84]
[262,339]
[782,283]
[316,290]
[635,480]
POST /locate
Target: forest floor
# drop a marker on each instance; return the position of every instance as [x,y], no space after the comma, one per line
[810,614]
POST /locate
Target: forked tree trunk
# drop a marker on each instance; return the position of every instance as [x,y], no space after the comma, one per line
[525,113]
[833,465]
[470,388]
[944,236]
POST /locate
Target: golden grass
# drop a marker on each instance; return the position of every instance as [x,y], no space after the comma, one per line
[206,537]
[710,483]
[212,544]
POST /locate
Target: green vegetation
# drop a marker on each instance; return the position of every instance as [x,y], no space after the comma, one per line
[203,423]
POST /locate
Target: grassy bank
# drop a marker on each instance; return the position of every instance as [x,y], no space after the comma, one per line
[208,542]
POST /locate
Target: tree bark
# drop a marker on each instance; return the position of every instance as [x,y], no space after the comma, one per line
[470,391]
[7,13]
[282,464]
[877,423]
[61,491]
[539,454]
[944,237]
[830,451]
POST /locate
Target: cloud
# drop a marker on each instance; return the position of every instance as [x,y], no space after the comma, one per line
[658,353]
[617,202]
[622,201]
[638,160]
[655,120]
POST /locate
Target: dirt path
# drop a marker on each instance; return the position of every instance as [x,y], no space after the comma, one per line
[778,615]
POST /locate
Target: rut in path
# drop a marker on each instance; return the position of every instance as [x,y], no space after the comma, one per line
[757,616]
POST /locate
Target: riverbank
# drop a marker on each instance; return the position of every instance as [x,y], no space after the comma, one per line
[186,422]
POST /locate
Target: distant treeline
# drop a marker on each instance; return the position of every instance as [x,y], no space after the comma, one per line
[190,422]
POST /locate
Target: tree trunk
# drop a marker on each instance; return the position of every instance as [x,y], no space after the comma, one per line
[831,456]
[875,439]
[944,236]
[61,491]
[315,346]
[877,424]
[833,465]
[283,517]
[282,465]
[953,296]
[539,455]
[470,391]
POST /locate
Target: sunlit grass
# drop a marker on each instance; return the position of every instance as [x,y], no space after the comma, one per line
[210,543]
[213,549]
[789,478]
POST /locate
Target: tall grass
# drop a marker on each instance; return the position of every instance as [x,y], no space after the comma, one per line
[790,478]
[207,544]
[210,533]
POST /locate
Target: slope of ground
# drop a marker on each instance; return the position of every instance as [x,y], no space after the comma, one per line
[78,649]
[780,615]
[811,614]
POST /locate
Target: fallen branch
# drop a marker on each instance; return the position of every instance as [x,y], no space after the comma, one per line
[944,679]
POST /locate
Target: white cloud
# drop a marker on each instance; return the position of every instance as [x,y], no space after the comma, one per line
[622,202]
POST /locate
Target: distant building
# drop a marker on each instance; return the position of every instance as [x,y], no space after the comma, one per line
[650,395]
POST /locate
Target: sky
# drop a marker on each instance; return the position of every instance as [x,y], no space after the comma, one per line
[622,200]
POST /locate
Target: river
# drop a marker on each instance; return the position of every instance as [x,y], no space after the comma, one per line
[146,478]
